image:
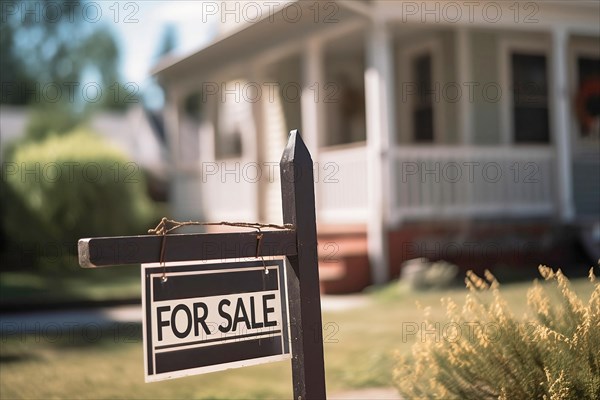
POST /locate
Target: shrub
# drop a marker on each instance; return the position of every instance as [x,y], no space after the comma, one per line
[52,118]
[71,186]
[554,353]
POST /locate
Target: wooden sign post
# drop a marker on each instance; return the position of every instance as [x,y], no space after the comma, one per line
[298,244]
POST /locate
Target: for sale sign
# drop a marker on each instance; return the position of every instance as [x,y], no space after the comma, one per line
[203,317]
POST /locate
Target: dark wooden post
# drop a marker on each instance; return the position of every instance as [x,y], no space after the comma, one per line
[298,198]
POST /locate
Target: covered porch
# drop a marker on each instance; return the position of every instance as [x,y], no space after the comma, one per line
[391,145]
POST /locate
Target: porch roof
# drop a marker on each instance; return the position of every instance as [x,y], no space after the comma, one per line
[246,40]
[296,19]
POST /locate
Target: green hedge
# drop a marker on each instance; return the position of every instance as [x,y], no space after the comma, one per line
[71,186]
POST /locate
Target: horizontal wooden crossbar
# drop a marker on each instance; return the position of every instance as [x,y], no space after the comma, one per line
[107,251]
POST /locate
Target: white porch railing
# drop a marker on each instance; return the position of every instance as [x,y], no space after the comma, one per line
[441,181]
[216,191]
[471,181]
[342,185]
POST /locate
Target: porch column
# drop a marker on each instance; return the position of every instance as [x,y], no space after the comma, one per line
[379,88]
[252,144]
[464,76]
[313,80]
[173,119]
[560,123]
[177,174]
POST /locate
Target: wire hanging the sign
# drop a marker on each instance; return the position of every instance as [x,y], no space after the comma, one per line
[163,229]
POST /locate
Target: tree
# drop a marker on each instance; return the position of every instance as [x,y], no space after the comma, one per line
[168,41]
[153,93]
[12,67]
[49,51]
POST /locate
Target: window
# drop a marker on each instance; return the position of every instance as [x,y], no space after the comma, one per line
[530,98]
[228,142]
[421,114]
[342,95]
[422,110]
[351,111]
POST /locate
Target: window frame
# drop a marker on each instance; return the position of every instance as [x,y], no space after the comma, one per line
[408,54]
[527,46]
[220,112]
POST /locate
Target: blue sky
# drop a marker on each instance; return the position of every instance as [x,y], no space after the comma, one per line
[139,27]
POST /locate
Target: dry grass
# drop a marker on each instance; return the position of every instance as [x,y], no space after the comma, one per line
[359,352]
[489,350]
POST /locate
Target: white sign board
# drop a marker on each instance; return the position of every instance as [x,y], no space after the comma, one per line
[211,316]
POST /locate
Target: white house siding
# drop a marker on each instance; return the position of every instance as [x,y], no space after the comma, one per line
[272,143]
[280,114]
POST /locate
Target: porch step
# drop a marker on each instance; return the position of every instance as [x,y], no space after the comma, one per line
[343,261]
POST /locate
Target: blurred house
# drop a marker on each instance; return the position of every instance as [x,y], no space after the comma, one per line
[462,131]
[139,133]
[13,121]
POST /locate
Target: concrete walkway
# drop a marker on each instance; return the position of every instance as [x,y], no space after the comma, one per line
[32,322]
[367,394]
[68,319]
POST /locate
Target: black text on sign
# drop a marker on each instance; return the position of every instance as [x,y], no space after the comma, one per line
[210,317]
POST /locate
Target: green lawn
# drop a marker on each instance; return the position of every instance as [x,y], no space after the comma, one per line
[359,348]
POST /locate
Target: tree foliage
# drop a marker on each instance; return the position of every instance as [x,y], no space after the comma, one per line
[49,52]
[41,48]
[168,41]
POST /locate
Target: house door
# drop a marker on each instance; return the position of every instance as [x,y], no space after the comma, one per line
[586,131]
